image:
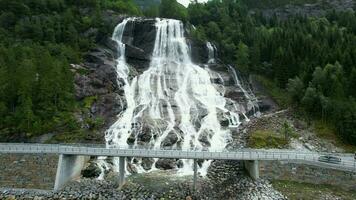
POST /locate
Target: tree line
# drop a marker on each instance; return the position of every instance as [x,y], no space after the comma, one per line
[39,39]
[312,59]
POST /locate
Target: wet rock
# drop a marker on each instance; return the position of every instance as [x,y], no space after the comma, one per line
[265,105]
[204,139]
[137,57]
[131,168]
[131,139]
[144,134]
[147,163]
[224,123]
[166,164]
[92,171]
[235,95]
[199,51]
[179,163]
[170,140]
[140,36]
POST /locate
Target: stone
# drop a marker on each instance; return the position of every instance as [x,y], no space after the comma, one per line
[166,164]
[91,171]
[170,140]
[147,163]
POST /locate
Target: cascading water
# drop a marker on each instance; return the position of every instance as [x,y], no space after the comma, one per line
[251,99]
[173,98]
[211,52]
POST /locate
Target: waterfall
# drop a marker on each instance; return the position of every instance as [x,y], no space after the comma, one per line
[211,52]
[172,102]
[250,97]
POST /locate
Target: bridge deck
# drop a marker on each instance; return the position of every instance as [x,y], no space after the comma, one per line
[347,160]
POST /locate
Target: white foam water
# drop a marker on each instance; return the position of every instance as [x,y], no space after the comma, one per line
[173,98]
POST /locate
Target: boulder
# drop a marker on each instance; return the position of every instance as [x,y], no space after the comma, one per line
[170,140]
[147,163]
[131,168]
[166,164]
[265,104]
[204,139]
[92,171]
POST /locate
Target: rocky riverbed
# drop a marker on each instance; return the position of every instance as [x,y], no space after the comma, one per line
[225,180]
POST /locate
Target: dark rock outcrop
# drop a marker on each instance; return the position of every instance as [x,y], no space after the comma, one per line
[166,164]
[170,140]
[139,37]
[96,85]
[147,163]
[317,9]
[92,171]
[199,51]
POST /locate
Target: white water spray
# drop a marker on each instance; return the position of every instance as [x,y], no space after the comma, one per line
[173,98]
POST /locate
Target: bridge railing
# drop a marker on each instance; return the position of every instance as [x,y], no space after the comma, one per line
[139,151]
[145,148]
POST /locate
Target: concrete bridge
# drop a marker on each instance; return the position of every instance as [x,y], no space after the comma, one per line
[72,158]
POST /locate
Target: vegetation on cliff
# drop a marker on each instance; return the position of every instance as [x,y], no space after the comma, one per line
[38,42]
[312,59]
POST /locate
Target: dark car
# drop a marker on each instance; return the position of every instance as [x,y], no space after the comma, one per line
[329,159]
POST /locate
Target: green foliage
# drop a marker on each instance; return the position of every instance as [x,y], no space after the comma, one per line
[39,39]
[95,123]
[311,59]
[287,131]
[275,3]
[199,34]
[172,9]
[152,11]
[295,89]
[88,101]
[122,6]
[308,191]
[242,56]
[278,94]
[267,139]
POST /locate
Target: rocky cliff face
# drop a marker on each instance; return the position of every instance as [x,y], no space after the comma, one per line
[317,9]
[96,85]
[96,81]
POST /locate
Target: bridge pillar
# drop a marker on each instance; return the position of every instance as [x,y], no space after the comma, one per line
[252,168]
[195,167]
[69,167]
[121,171]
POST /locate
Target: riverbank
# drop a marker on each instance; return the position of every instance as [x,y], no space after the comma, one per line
[225,180]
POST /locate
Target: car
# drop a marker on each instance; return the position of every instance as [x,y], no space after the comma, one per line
[329,159]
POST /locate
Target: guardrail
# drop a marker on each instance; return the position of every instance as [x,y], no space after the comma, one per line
[347,161]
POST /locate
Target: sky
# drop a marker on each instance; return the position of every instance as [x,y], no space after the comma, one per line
[186,2]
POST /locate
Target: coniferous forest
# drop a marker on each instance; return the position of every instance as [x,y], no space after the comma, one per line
[312,59]
[39,39]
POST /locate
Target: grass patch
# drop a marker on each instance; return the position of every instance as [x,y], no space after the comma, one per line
[267,139]
[88,101]
[307,191]
[83,71]
[278,94]
[326,131]
[95,123]
[68,137]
